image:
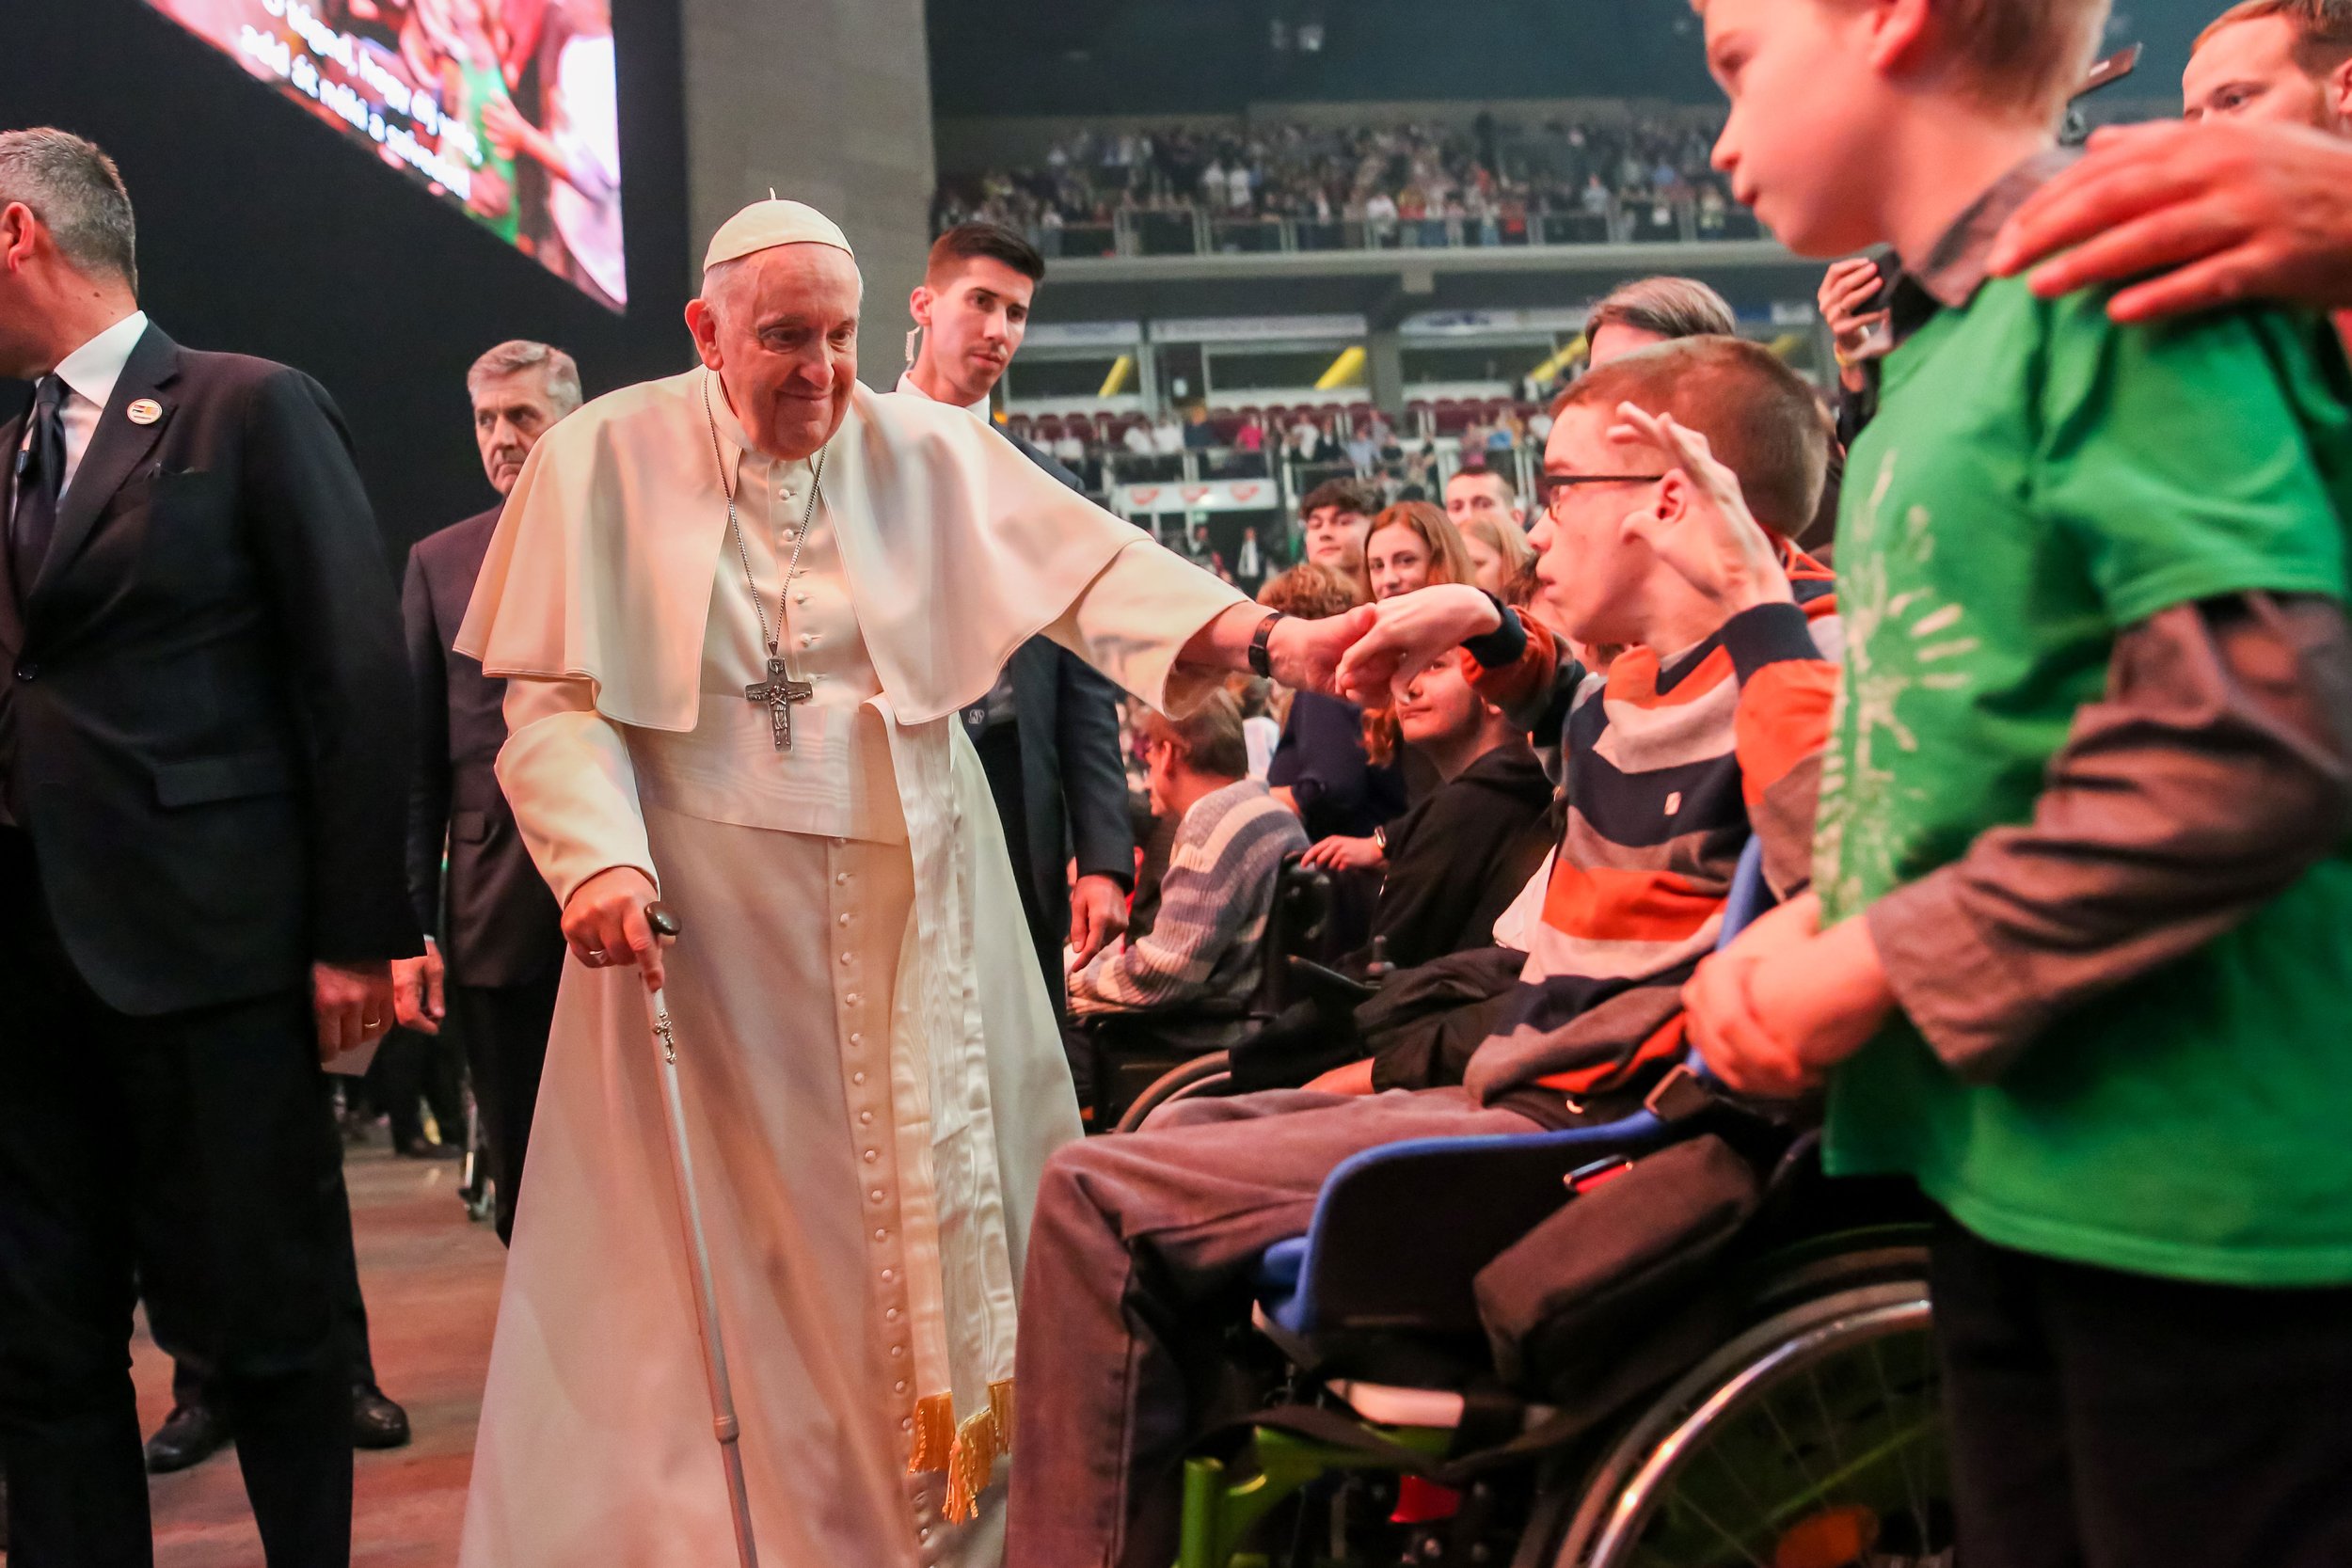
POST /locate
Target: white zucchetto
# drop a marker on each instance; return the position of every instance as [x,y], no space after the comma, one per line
[766,224]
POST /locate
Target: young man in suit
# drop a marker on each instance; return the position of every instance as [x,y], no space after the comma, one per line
[494,971]
[1048,734]
[204,729]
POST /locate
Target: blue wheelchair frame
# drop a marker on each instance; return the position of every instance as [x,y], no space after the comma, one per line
[1315,1283]
[1338,1284]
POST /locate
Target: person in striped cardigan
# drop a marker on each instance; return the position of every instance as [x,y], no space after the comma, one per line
[1203,949]
[1677,474]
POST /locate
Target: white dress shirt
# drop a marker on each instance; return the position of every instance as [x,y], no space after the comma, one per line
[90,373]
[979,410]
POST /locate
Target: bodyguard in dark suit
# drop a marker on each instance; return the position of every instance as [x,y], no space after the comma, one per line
[204,731]
[500,952]
[1048,734]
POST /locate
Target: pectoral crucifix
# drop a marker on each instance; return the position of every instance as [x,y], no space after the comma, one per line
[777,694]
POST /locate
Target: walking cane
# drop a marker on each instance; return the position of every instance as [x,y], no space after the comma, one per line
[665,924]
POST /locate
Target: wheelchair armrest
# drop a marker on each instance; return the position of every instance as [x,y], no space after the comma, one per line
[1400,1231]
[1317,982]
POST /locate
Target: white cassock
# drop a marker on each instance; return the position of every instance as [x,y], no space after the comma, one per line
[873,1074]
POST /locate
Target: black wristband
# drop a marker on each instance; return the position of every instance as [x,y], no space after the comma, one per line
[1502,646]
[1261,649]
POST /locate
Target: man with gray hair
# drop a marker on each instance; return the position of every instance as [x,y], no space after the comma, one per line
[493,969]
[203,725]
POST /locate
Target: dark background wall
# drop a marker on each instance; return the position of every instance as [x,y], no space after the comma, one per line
[263,232]
[1173,58]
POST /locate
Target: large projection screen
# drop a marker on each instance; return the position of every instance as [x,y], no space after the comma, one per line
[507,109]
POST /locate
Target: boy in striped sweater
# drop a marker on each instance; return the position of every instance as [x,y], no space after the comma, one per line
[1708,727]
[1677,474]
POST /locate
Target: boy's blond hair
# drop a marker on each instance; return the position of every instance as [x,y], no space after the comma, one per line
[2323,29]
[2032,55]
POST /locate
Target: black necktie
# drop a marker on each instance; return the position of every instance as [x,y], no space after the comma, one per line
[40,478]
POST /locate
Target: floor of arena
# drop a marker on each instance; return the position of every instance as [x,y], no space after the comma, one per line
[431,1285]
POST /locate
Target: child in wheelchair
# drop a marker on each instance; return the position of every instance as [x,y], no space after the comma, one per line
[1677,474]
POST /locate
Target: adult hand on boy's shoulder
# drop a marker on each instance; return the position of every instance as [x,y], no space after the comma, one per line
[2221,211]
[1786,1002]
[1702,527]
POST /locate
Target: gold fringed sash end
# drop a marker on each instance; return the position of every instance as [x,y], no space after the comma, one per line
[967,1453]
[970,1467]
[933,1444]
[1000,1406]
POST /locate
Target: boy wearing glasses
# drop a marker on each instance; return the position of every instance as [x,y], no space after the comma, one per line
[1661,538]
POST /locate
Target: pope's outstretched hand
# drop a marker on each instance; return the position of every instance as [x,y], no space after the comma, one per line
[1305,654]
[1409,633]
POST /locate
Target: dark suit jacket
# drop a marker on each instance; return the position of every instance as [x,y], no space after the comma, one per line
[500,926]
[204,712]
[1073,783]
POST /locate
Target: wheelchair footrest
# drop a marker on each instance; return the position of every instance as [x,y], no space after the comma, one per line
[1389,1405]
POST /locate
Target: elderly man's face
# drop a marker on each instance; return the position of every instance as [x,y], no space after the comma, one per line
[781,335]
[2248,71]
[510,413]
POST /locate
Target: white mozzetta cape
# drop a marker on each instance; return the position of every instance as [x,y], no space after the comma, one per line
[959,550]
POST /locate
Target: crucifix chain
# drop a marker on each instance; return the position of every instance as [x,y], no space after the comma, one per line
[779,691]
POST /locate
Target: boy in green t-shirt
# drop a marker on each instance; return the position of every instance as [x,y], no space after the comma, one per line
[2079,958]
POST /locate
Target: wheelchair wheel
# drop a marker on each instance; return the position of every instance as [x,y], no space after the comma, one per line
[1208,1074]
[1815,1440]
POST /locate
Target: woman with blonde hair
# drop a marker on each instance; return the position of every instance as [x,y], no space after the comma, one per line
[1502,562]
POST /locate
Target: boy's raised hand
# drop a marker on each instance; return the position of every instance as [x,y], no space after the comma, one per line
[1711,540]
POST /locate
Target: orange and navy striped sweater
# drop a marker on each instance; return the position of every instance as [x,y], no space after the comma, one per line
[1671,766]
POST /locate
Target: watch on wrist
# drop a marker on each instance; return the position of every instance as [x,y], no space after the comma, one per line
[1261,646]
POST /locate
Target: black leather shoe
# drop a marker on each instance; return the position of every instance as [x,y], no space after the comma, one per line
[426,1148]
[191,1434]
[376,1422]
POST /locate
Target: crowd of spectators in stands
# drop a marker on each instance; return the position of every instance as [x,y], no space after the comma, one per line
[1484,182]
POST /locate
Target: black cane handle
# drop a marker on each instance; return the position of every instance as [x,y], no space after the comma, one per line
[664,924]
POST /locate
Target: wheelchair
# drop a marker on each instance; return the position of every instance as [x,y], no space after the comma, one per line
[1144,1059]
[1783,1410]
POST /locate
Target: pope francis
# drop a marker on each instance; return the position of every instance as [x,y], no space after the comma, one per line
[739,610]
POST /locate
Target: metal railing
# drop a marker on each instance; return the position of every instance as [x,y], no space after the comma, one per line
[1110,472]
[1200,230]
